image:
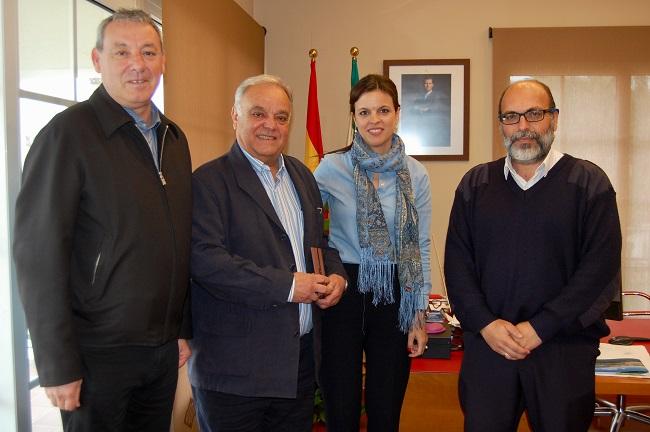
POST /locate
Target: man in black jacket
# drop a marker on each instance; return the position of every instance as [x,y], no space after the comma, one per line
[101,244]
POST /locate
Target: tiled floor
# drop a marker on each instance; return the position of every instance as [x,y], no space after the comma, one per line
[45,417]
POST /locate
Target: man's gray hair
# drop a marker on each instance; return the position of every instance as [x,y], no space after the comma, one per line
[260,80]
[128,15]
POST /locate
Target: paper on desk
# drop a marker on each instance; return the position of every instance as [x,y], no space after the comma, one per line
[609,351]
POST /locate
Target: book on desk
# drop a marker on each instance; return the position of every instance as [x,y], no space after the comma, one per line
[623,360]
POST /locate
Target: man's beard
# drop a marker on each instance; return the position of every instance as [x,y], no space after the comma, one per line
[531,153]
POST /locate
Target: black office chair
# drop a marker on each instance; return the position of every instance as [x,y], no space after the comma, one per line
[619,411]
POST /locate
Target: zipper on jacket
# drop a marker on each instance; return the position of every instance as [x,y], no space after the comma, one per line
[99,257]
[160,157]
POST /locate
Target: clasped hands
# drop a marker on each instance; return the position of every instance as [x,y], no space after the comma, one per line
[514,342]
[325,291]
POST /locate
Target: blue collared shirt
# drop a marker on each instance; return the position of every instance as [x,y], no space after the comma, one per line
[148,130]
[336,183]
[284,197]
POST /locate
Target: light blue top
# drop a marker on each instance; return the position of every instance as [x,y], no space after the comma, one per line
[336,184]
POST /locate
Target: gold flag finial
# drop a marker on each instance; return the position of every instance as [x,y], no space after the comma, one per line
[313,53]
[354,52]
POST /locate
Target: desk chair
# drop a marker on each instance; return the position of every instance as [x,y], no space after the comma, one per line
[637,312]
[619,411]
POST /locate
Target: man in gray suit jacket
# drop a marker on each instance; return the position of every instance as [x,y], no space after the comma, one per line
[255,294]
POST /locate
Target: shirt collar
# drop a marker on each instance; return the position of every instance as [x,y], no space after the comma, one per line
[260,166]
[155,118]
[542,170]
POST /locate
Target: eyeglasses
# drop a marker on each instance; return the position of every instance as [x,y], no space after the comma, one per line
[532,115]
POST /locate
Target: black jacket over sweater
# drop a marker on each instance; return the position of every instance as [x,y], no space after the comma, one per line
[101,246]
[550,255]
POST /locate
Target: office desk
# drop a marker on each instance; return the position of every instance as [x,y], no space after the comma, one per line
[432,393]
[624,388]
[606,385]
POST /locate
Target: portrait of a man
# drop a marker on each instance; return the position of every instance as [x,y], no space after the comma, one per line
[426,109]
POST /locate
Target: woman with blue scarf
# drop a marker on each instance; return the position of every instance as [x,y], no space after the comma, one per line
[380,216]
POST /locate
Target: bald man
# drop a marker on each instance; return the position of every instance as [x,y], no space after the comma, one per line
[532,261]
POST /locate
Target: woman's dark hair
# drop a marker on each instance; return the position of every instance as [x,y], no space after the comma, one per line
[367,84]
[371,83]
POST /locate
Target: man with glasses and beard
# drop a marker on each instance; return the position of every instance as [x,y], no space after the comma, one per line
[532,261]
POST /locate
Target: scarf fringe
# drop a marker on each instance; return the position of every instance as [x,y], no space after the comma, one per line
[408,311]
[376,276]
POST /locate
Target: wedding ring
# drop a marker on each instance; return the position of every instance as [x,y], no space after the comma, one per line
[505,354]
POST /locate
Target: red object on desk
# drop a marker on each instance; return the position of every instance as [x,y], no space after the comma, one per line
[627,327]
[630,327]
[451,365]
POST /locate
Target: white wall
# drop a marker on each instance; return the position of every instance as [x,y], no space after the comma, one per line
[410,29]
[116,4]
[154,7]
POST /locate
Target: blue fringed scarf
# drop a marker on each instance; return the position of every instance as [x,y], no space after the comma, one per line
[377,253]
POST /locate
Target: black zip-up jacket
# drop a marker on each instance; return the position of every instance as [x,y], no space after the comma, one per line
[101,239]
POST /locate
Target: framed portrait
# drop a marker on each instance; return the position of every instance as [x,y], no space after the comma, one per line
[434,101]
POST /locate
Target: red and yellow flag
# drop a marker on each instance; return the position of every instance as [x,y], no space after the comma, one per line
[314,139]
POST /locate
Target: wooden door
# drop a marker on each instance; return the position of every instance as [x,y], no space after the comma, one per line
[211,46]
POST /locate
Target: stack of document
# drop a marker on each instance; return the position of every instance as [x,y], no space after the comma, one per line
[622,360]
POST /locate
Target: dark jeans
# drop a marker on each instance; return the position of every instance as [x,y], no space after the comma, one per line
[351,327]
[126,389]
[224,412]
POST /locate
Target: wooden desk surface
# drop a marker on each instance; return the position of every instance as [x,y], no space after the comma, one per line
[432,397]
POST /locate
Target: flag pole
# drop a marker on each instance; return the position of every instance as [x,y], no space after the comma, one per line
[354,78]
[313,138]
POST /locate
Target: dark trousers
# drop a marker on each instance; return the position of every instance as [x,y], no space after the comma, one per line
[223,412]
[349,329]
[126,389]
[554,384]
